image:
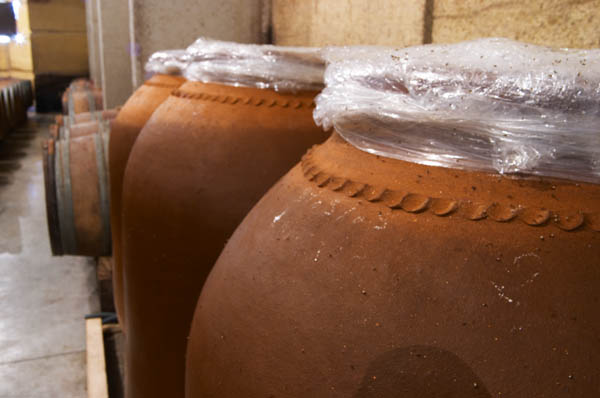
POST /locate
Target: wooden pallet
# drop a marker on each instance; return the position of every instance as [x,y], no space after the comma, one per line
[97,383]
[105,343]
[104,359]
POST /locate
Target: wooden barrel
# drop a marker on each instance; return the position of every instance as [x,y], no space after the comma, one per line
[84,99]
[15,97]
[73,126]
[53,131]
[76,85]
[28,90]
[76,130]
[77,201]
[81,83]
[4,115]
[25,95]
[49,164]
[20,106]
[9,104]
[108,114]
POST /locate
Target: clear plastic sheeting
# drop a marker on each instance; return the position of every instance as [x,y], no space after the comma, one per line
[168,62]
[253,65]
[492,105]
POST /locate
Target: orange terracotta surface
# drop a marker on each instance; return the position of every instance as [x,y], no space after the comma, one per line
[363,276]
[204,158]
[124,131]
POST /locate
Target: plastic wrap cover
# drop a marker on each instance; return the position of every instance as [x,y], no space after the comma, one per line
[491,104]
[168,62]
[254,65]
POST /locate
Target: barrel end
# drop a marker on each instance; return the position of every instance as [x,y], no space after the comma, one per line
[48,154]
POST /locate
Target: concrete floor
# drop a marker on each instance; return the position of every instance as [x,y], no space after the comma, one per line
[43,299]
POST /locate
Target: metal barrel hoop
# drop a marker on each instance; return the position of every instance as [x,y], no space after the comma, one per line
[50,179]
[91,100]
[65,197]
[101,140]
[70,103]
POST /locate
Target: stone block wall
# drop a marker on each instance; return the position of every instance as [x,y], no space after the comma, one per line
[129,31]
[348,22]
[557,23]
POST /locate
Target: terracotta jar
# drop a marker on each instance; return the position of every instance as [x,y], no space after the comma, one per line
[202,161]
[125,129]
[76,182]
[363,276]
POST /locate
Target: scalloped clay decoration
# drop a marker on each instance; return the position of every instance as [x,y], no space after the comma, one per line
[202,161]
[124,131]
[363,276]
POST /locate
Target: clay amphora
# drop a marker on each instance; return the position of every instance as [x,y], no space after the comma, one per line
[125,129]
[363,276]
[204,158]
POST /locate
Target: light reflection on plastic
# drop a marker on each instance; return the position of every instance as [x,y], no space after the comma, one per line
[4,39]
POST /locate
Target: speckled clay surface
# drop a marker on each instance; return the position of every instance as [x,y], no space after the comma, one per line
[362,276]
[124,131]
[204,158]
